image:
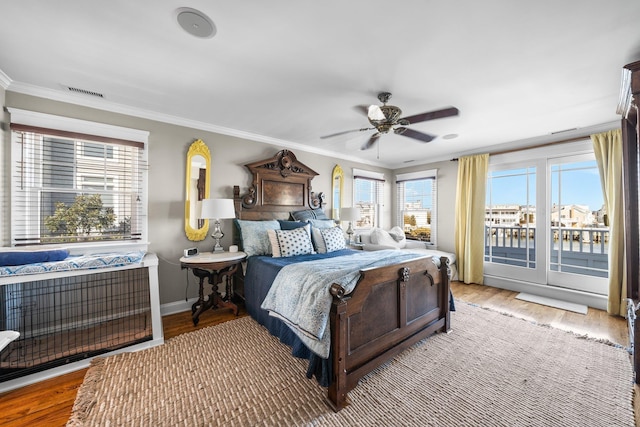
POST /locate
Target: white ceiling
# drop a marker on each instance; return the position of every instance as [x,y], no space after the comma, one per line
[287,72]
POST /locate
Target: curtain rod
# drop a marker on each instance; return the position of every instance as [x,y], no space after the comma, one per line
[546,144]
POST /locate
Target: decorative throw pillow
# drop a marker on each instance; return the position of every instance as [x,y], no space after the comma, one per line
[285,243]
[383,238]
[322,223]
[328,239]
[291,225]
[309,214]
[398,235]
[253,235]
[11,258]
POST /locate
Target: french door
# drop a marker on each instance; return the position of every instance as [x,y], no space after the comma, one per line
[545,222]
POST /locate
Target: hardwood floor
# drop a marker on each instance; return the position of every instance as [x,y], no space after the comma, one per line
[596,323]
[49,402]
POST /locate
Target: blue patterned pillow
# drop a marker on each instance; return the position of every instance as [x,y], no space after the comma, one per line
[328,239]
[253,235]
[285,243]
[309,214]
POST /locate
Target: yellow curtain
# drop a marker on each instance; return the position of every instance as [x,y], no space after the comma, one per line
[608,150]
[470,210]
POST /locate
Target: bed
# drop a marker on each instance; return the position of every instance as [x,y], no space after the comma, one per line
[385,307]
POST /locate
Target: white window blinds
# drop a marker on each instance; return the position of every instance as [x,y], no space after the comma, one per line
[416,205]
[72,187]
[368,195]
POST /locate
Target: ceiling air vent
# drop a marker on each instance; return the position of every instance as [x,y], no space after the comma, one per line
[85,92]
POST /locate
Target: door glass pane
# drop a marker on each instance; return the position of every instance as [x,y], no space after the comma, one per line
[579,225]
[510,217]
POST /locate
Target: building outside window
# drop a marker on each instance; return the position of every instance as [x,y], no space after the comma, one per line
[416,204]
[368,195]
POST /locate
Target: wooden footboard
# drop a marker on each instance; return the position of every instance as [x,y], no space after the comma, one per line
[391,308]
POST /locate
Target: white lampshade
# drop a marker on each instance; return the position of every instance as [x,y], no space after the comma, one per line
[218,209]
[349,214]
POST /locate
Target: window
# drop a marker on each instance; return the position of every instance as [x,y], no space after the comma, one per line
[416,205]
[368,194]
[544,219]
[71,187]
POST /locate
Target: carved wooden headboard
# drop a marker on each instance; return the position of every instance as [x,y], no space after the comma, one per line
[280,185]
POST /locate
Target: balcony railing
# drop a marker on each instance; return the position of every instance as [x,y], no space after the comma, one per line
[572,250]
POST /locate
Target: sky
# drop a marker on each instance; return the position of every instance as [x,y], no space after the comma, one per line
[579,183]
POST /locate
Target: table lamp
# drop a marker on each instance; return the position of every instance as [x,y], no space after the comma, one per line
[217,209]
[350,214]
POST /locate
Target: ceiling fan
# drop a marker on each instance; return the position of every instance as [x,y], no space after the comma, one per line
[385,118]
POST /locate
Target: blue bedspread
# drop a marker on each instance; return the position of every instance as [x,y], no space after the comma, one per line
[260,273]
[300,294]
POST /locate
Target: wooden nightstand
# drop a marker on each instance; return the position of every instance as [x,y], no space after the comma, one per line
[214,266]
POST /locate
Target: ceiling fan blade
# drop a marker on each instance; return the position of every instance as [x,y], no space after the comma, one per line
[438,114]
[344,132]
[371,141]
[422,137]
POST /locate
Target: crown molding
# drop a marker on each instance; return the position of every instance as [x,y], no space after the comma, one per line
[5,81]
[105,105]
[522,144]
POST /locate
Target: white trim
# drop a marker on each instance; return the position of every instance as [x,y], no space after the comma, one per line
[177,306]
[368,174]
[5,81]
[50,121]
[578,297]
[431,173]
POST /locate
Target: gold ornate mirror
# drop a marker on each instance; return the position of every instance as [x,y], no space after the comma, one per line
[337,178]
[198,170]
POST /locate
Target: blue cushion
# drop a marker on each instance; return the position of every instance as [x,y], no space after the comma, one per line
[322,223]
[290,225]
[32,257]
[309,214]
[253,235]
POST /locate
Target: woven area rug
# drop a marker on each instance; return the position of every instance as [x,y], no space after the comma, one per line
[492,370]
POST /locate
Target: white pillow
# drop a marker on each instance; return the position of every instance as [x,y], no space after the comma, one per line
[328,239]
[285,243]
[384,238]
[398,235]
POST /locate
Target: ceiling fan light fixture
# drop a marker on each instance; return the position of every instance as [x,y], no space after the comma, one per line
[375,113]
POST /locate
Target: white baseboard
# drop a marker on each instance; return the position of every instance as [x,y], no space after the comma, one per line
[578,297]
[177,306]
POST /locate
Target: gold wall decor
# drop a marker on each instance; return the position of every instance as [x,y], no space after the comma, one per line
[197,189]
[337,189]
